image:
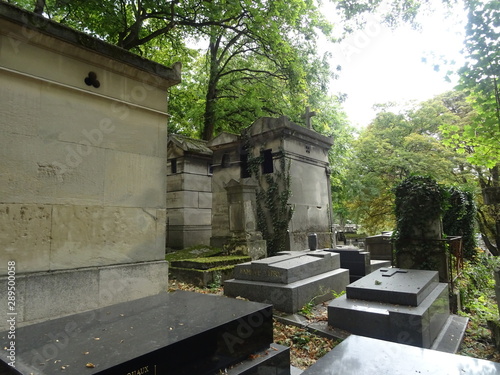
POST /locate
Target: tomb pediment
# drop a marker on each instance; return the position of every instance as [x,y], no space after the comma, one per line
[223,139]
[188,145]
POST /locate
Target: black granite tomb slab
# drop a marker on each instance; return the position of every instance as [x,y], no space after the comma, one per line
[170,333]
[394,286]
[413,325]
[355,260]
[361,355]
[288,267]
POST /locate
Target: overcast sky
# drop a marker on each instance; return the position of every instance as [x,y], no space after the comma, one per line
[380,65]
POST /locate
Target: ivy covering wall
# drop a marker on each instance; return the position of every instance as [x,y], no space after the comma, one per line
[273,193]
[427,213]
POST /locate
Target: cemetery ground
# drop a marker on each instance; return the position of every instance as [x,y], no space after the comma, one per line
[306,347]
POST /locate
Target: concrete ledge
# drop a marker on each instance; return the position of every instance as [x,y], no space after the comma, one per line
[45,295]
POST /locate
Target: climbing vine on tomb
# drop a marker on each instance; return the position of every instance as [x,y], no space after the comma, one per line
[421,203]
[459,219]
[273,193]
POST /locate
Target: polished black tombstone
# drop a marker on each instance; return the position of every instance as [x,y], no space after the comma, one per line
[362,355]
[404,306]
[170,333]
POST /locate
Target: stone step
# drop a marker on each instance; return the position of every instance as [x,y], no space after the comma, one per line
[295,371]
[181,333]
[377,264]
[451,335]
[288,267]
[273,361]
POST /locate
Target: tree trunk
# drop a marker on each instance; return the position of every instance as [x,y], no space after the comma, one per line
[491,248]
[39,7]
[211,98]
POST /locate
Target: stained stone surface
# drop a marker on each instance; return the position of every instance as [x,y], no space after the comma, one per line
[361,355]
[170,333]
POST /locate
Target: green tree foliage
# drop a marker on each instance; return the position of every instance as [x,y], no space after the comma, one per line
[260,56]
[392,12]
[395,146]
[479,78]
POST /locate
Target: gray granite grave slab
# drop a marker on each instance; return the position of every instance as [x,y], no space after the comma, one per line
[288,267]
[290,297]
[361,355]
[394,286]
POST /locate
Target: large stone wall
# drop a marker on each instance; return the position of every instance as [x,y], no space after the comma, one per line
[83,174]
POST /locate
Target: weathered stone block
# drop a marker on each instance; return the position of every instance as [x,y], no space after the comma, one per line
[25,227]
[188,216]
[134,180]
[189,182]
[60,293]
[182,199]
[85,236]
[124,283]
[44,295]
[205,200]
[50,171]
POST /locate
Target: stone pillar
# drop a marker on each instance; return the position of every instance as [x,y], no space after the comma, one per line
[246,239]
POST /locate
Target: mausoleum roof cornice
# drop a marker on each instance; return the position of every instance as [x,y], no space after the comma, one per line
[282,126]
[29,22]
[190,145]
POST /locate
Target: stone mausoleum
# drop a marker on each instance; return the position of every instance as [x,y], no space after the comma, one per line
[83,144]
[189,192]
[277,143]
